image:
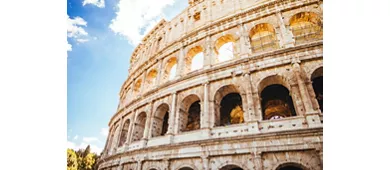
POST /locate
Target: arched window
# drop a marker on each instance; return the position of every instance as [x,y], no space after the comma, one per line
[194,59]
[151,78]
[317,82]
[224,48]
[160,120]
[306,26]
[276,102]
[263,38]
[228,106]
[115,138]
[125,130]
[139,127]
[190,113]
[231,167]
[137,87]
[290,166]
[186,168]
[170,69]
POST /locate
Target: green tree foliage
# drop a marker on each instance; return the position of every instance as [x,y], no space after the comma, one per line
[72,160]
[82,159]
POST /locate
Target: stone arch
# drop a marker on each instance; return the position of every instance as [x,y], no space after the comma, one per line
[160,120]
[235,105]
[186,167]
[290,166]
[225,47]
[139,126]
[194,59]
[263,37]
[111,143]
[137,87]
[115,138]
[189,113]
[125,130]
[232,166]
[151,78]
[170,69]
[317,84]
[306,26]
[275,99]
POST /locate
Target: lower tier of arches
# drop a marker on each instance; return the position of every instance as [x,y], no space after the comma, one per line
[295,150]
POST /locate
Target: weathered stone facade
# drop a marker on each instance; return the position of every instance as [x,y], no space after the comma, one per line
[270,83]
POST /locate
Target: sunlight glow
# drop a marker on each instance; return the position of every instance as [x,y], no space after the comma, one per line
[172,72]
[197,61]
[225,53]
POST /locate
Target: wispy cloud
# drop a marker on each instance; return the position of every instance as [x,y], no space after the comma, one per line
[68,47]
[76,27]
[135,16]
[80,40]
[98,3]
[83,145]
[104,131]
[90,139]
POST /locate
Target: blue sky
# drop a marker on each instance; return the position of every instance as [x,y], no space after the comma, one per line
[101,37]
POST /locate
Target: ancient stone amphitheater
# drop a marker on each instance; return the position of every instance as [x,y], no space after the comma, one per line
[226,84]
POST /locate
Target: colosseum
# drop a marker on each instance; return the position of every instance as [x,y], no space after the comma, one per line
[224,85]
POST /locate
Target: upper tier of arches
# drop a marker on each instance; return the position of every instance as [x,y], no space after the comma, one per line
[255,37]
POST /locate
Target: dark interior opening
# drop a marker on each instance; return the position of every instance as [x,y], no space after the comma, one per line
[231,111]
[317,86]
[276,102]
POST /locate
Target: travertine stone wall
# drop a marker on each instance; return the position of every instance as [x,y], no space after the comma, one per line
[135,140]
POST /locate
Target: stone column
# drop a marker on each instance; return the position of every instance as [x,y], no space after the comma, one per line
[316,105]
[249,95]
[160,73]
[148,122]
[166,164]
[143,84]
[205,162]
[245,45]
[208,53]
[205,117]
[180,63]
[118,138]
[131,129]
[295,95]
[257,160]
[302,86]
[286,34]
[139,165]
[173,118]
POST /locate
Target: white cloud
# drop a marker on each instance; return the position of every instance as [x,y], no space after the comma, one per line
[84,145]
[68,47]
[104,131]
[80,40]
[98,3]
[90,139]
[75,137]
[133,16]
[75,27]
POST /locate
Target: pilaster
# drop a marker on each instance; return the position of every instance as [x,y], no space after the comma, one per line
[286,34]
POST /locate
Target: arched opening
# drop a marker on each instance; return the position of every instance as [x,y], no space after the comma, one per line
[124,132]
[317,82]
[306,26]
[263,38]
[137,87]
[186,168]
[139,127]
[151,78]
[170,69]
[190,113]
[290,166]
[115,138]
[224,48]
[194,59]
[229,106]
[112,140]
[160,121]
[231,167]
[276,102]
